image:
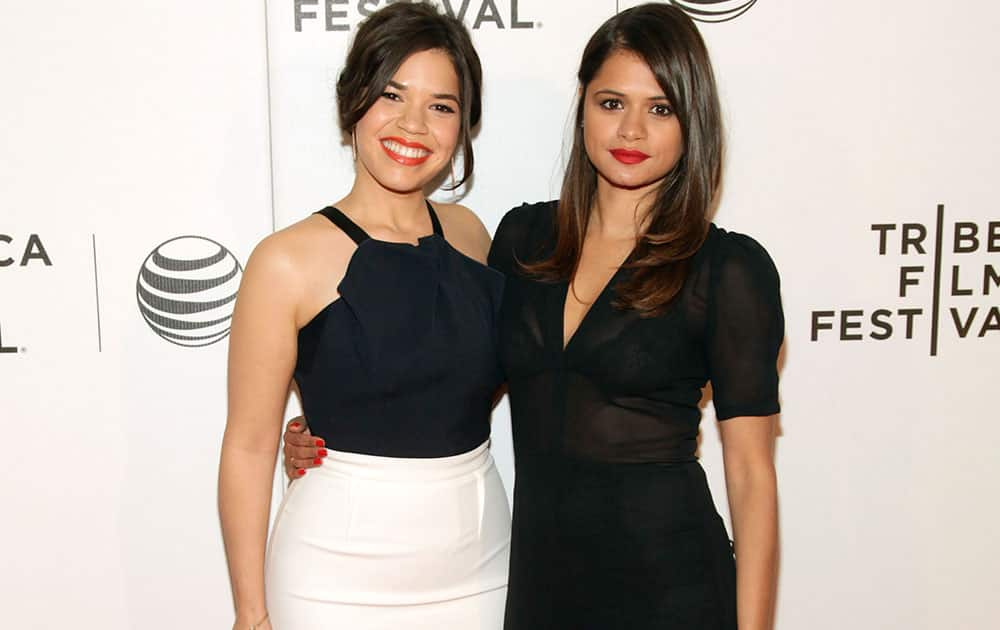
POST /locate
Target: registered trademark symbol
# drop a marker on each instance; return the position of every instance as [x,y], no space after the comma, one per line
[23,350]
[539,25]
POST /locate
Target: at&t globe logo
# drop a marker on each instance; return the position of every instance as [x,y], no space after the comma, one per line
[186,290]
[714,10]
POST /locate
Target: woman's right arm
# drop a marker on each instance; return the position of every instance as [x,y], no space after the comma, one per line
[262,351]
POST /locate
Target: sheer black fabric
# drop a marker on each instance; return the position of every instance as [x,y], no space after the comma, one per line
[613,523]
[404,362]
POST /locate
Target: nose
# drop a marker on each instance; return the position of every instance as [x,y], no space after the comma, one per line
[633,125]
[411,120]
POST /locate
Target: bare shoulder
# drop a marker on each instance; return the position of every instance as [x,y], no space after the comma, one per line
[280,253]
[273,259]
[312,241]
[464,230]
[300,264]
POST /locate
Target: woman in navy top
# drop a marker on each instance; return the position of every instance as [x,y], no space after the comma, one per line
[382,311]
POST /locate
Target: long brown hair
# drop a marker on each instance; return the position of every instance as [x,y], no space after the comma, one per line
[385,40]
[668,41]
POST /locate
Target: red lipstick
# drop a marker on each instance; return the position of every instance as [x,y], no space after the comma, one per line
[405,152]
[629,156]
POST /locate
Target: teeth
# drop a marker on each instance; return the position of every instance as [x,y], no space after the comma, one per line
[409,152]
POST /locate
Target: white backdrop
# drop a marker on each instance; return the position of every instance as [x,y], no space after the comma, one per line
[128,123]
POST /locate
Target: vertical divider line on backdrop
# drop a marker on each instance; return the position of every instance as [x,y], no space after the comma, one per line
[270,114]
[936,299]
[97,292]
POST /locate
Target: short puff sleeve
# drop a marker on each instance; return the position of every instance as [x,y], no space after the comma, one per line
[745,329]
[520,236]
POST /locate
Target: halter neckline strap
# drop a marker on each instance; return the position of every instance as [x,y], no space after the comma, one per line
[357,234]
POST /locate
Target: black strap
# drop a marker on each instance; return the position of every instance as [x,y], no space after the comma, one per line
[342,221]
[358,235]
[434,220]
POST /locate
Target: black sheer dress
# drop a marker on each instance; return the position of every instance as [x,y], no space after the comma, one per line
[613,522]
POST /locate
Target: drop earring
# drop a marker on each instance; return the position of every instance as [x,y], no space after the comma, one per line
[354,144]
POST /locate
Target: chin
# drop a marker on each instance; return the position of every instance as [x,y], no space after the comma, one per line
[629,182]
[402,187]
[402,182]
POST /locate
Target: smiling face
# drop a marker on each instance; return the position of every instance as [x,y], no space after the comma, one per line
[630,131]
[410,133]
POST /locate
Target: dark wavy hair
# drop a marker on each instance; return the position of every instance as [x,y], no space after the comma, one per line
[385,40]
[668,41]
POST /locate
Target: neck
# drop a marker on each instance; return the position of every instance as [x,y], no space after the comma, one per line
[621,213]
[375,205]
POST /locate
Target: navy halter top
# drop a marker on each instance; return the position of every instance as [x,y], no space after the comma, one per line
[404,363]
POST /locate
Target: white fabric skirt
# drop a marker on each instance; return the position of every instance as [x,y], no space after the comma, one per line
[382,542]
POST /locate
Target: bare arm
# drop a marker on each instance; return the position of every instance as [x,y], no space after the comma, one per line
[751,484]
[262,354]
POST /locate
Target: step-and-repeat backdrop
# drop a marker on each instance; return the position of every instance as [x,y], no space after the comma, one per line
[147,147]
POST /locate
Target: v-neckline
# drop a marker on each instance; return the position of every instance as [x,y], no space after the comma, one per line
[565,342]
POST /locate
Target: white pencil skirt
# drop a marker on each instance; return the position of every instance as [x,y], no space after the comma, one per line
[381,542]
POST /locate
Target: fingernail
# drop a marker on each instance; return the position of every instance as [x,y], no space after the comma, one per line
[300,472]
[322,452]
[320,442]
[295,425]
[317,461]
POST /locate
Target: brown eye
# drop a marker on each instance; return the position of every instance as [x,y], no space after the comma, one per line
[662,110]
[612,104]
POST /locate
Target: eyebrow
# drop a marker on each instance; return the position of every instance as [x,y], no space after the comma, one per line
[623,95]
[402,88]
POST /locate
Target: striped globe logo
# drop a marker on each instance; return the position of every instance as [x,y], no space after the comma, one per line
[186,290]
[714,10]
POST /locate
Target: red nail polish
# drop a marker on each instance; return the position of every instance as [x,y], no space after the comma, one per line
[320,442]
[300,472]
[317,461]
[322,452]
[295,425]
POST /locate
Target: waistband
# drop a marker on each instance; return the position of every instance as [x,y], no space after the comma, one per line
[565,460]
[360,465]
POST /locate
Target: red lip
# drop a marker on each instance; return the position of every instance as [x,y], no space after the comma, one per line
[629,156]
[403,159]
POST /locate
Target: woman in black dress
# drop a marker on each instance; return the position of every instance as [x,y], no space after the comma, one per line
[622,302]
